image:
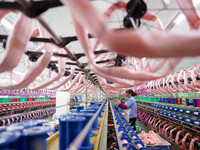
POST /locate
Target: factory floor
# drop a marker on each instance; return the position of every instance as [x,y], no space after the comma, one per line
[147,129]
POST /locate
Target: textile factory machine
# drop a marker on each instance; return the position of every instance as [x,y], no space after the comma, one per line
[178,124]
[128,138]
[125,135]
[19,105]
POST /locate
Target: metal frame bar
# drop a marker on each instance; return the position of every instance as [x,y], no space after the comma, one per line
[103,140]
[116,127]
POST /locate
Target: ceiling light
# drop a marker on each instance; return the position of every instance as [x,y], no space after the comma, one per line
[196,3]
[53,58]
[144,58]
[7,23]
[18,73]
[167,2]
[179,19]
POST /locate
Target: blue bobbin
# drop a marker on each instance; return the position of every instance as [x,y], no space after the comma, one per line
[20,144]
[7,139]
[15,127]
[88,117]
[73,111]
[125,137]
[196,113]
[96,109]
[86,143]
[26,124]
[69,128]
[3,128]
[92,103]
[40,122]
[99,104]
[95,124]
[78,108]
[35,138]
[94,127]
[129,146]
[93,107]
[88,111]
[196,122]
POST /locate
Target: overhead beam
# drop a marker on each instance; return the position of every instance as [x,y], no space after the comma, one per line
[65,40]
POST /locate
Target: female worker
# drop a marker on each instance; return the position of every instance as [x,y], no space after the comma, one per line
[130,104]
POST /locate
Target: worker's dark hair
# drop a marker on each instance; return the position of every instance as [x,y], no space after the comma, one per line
[129,91]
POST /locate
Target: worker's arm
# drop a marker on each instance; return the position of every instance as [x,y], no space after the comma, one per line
[123,106]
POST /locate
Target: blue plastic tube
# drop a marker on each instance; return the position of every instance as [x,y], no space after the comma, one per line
[7,139]
[78,108]
[95,124]
[92,103]
[96,120]
[195,102]
[35,137]
[90,115]
[86,143]
[20,144]
[69,128]
[187,102]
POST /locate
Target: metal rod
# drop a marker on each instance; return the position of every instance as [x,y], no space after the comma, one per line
[66,40]
[10,6]
[116,127]
[17,6]
[63,55]
[86,81]
[103,140]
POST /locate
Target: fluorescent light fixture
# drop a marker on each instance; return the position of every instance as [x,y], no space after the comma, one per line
[18,73]
[144,60]
[167,2]
[136,65]
[7,23]
[53,58]
[181,17]
[196,2]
